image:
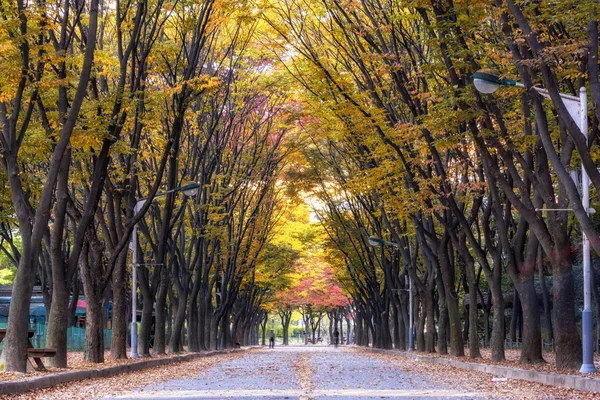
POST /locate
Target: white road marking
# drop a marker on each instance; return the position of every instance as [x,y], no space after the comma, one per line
[182,394]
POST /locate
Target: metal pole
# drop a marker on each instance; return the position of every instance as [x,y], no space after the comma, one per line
[134,353]
[587,322]
[411,338]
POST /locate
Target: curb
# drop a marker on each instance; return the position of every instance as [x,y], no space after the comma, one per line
[42,382]
[581,383]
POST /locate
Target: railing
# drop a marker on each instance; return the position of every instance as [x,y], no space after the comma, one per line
[75,337]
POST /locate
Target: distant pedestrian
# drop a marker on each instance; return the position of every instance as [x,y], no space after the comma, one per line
[336,337]
[272,342]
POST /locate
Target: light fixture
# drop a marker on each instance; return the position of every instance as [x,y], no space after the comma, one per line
[487,81]
[374,241]
[190,189]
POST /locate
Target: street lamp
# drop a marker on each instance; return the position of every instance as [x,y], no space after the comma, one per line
[189,189]
[375,242]
[486,81]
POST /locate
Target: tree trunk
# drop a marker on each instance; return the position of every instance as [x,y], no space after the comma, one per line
[420,342]
[160,324]
[56,333]
[15,342]
[264,329]
[442,342]
[545,299]
[396,321]
[498,327]
[566,335]
[213,333]
[93,347]
[193,329]
[473,336]
[118,341]
[175,344]
[430,317]
[386,334]
[286,331]
[226,342]
[531,351]
[403,325]
[145,327]
[348,331]
[516,311]
[457,346]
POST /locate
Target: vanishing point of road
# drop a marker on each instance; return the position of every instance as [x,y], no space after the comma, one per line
[304,373]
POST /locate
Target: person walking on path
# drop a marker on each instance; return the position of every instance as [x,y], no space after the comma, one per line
[336,338]
[272,341]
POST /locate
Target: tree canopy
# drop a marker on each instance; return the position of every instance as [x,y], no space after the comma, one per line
[303,128]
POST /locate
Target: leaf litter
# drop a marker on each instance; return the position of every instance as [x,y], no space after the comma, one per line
[475,381]
[118,384]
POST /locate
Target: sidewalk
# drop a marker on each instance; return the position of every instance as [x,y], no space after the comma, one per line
[577,382]
[54,379]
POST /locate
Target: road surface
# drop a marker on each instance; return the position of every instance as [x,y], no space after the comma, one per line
[303,372]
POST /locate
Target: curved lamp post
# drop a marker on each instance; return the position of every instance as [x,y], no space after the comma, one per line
[375,242]
[190,189]
[487,81]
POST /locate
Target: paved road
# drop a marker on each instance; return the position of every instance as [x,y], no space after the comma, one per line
[301,373]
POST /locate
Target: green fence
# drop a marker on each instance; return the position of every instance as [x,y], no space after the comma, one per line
[75,336]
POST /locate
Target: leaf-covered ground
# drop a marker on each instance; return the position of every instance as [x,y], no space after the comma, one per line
[304,372]
[102,387]
[75,362]
[512,360]
[481,382]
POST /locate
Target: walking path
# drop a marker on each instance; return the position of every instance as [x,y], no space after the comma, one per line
[302,372]
[305,372]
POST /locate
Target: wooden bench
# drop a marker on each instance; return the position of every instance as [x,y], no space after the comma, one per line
[32,352]
[37,355]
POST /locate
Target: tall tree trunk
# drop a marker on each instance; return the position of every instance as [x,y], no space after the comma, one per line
[93,346]
[498,324]
[396,318]
[531,351]
[420,337]
[430,316]
[175,343]
[566,335]
[457,347]
[264,329]
[348,330]
[56,333]
[193,328]
[118,341]
[516,311]
[473,336]
[161,312]
[90,269]
[545,297]
[145,332]
[442,342]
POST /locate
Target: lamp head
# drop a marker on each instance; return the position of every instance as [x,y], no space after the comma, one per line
[374,241]
[190,189]
[487,80]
